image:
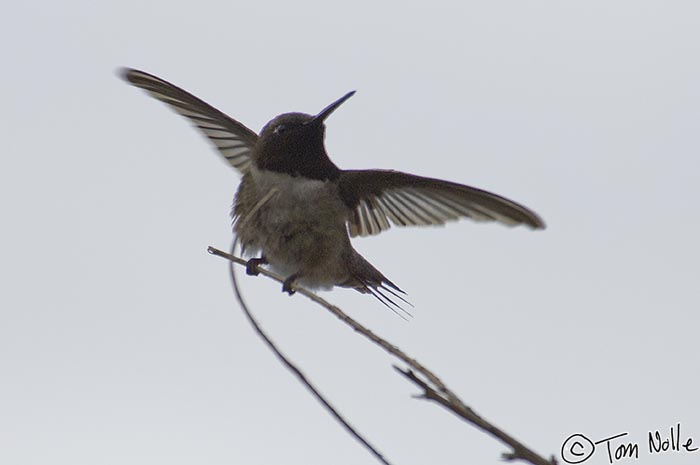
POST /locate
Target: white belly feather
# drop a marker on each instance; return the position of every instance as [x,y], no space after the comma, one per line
[300,228]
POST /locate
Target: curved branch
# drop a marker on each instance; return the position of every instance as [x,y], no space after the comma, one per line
[433,388]
[293,368]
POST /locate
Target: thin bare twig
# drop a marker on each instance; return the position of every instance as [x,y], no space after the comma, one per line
[433,388]
[294,369]
[392,349]
[520,451]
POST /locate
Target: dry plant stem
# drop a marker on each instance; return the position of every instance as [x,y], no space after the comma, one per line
[438,392]
[520,451]
[297,372]
[392,349]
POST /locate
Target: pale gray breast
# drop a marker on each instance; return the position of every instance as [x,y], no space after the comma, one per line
[296,223]
[297,202]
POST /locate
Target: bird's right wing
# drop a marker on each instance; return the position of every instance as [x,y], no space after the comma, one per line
[376,198]
[233,140]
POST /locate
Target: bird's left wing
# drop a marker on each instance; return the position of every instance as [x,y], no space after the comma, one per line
[377,197]
[233,140]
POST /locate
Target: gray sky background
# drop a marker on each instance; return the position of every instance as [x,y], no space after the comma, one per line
[120,341]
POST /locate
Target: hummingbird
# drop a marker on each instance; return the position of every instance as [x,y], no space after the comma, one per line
[296,211]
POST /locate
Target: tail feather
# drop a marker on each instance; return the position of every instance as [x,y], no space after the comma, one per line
[368,280]
[378,291]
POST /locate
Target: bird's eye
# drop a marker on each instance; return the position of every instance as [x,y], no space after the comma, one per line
[279,129]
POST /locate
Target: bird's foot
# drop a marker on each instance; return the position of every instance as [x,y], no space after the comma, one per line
[288,284]
[251,268]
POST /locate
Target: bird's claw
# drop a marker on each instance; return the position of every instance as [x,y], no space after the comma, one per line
[251,268]
[287,285]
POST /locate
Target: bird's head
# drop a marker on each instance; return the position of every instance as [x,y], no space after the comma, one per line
[293,142]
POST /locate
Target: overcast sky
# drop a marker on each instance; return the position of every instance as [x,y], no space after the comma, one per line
[120,340]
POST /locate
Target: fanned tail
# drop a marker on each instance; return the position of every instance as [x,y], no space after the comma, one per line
[368,280]
[380,291]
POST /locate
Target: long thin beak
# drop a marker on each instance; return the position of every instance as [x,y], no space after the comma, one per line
[326,112]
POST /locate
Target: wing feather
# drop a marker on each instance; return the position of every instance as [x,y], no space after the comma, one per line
[379,198]
[232,139]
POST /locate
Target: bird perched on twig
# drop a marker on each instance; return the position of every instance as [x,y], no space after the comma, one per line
[297,210]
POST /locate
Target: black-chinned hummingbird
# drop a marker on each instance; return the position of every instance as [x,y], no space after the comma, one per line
[297,210]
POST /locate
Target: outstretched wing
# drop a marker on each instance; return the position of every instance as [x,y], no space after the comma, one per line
[234,141]
[377,198]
